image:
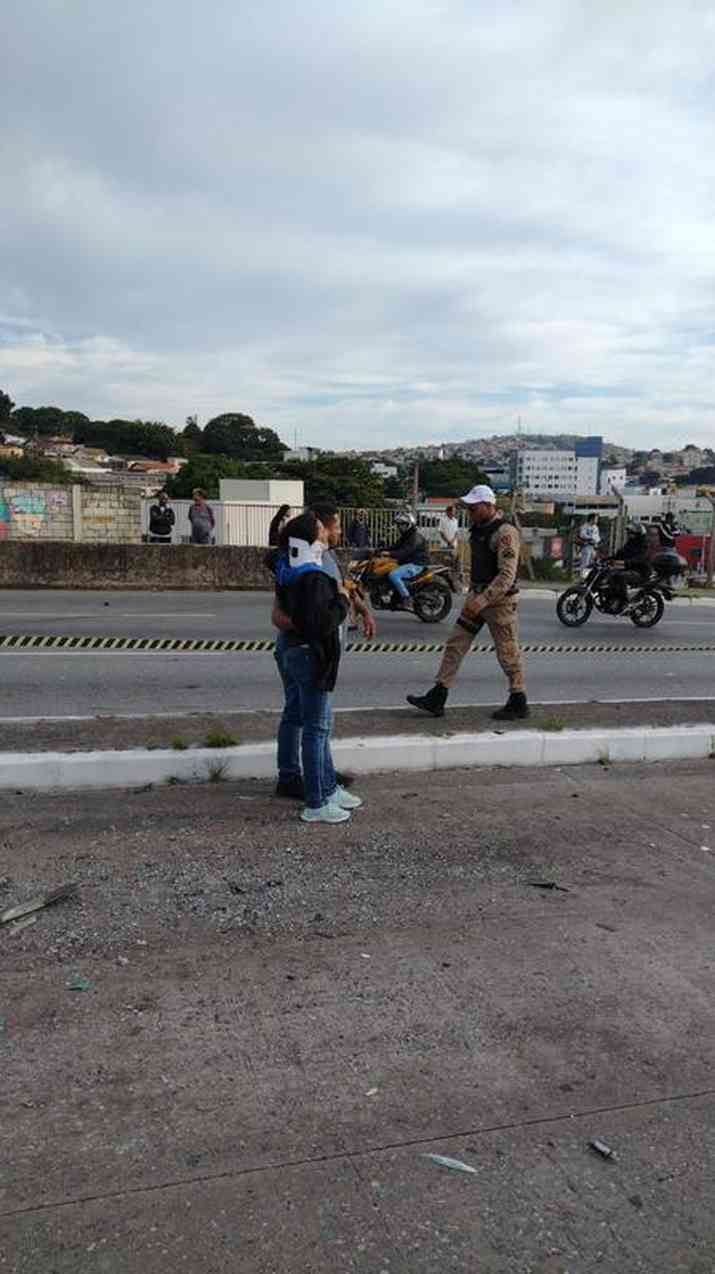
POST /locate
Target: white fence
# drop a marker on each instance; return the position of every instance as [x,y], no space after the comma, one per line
[244,524]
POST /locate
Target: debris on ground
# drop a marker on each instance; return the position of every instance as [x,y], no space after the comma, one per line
[36,904]
[79,984]
[602,1149]
[455,1164]
[547,884]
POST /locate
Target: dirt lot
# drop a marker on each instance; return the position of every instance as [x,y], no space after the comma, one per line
[280,1023]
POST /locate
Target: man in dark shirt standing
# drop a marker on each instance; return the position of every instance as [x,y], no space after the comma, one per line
[161,520]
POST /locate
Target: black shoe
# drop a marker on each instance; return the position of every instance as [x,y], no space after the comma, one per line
[433,702]
[515,709]
[344,780]
[293,790]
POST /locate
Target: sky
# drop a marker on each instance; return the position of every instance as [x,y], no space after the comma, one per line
[370,224]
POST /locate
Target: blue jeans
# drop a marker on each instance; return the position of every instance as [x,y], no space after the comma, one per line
[307,722]
[401,573]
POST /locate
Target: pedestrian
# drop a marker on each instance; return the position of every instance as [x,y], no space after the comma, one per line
[359,531]
[492,600]
[316,607]
[162,520]
[278,521]
[589,538]
[449,538]
[201,518]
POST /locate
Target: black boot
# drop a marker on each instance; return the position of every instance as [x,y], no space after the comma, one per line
[515,709]
[433,702]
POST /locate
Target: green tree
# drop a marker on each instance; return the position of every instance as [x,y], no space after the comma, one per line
[347,481]
[6,406]
[233,434]
[451,477]
[192,436]
[129,437]
[204,470]
[32,468]
[47,422]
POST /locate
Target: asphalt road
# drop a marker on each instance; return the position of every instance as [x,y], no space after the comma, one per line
[226,615]
[46,684]
[89,683]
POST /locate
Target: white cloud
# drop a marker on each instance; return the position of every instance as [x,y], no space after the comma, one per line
[405,221]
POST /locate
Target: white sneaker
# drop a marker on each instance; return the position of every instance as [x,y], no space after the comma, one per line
[326,814]
[345,800]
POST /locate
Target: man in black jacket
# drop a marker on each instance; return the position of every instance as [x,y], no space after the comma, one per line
[161,520]
[316,606]
[411,554]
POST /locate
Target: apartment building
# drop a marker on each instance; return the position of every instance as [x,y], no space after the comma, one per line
[556,472]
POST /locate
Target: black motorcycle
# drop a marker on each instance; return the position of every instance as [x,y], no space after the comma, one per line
[643,602]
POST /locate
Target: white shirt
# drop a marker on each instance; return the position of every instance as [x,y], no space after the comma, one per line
[448,529]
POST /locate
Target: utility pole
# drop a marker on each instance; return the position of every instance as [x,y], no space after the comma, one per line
[416,485]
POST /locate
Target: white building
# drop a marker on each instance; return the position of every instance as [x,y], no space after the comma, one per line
[557,473]
[612,479]
[384,470]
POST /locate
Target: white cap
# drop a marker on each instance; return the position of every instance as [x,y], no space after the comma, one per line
[479,495]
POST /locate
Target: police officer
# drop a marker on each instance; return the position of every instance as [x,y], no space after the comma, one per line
[492,600]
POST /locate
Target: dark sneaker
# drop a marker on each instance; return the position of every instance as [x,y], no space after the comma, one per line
[292,789]
[433,702]
[515,709]
[344,780]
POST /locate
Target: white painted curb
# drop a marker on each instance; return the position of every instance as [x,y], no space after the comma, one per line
[45,771]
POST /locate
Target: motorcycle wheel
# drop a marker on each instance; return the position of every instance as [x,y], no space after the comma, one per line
[574,607]
[377,600]
[432,603]
[648,610]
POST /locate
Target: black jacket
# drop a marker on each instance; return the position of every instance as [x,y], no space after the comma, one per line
[359,535]
[317,610]
[161,519]
[411,547]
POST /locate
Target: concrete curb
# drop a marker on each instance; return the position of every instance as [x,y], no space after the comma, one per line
[46,771]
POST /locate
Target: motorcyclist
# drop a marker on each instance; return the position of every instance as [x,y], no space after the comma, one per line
[667,560]
[630,566]
[411,554]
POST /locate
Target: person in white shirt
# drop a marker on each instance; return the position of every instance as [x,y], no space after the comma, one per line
[449,537]
[589,538]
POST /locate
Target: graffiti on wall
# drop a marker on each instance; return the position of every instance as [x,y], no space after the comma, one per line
[25,513]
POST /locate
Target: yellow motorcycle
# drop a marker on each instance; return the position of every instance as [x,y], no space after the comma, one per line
[430,591]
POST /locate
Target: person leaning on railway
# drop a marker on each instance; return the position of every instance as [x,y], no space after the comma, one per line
[492,600]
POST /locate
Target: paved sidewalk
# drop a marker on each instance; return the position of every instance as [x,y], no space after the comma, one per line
[281,1022]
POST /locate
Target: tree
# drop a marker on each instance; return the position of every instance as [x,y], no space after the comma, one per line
[205,471]
[452,477]
[6,406]
[47,422]
[129,437]
[32,468]
[350,482]
[702,477]
[233,434]
[192,436]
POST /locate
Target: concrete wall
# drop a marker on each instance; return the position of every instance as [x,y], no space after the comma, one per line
[92,515]
[28,564]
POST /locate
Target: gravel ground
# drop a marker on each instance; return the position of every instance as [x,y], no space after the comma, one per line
[276,1024]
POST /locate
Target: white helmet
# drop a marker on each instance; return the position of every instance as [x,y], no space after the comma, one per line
[405,518]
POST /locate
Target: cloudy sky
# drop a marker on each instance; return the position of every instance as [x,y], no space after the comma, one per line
[373,222]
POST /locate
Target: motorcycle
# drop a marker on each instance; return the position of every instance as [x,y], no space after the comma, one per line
[643,604]
[431,590]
